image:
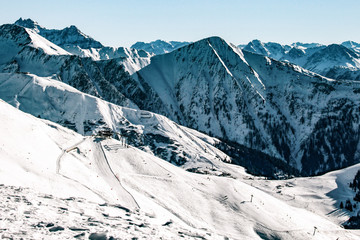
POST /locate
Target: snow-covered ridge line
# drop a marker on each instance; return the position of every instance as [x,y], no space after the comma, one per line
[47,46]
[76,42]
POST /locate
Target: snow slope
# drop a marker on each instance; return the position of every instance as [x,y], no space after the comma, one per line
[213,206]
[14,39]
[317,194]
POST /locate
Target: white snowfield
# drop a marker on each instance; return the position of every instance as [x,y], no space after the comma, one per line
[55,169]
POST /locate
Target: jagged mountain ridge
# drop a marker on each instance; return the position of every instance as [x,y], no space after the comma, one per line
[76,42]
[81,73]
[338,61]
[159,46]
[270,106]
[65,37]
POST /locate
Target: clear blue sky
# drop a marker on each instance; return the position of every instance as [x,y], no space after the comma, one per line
[122,23]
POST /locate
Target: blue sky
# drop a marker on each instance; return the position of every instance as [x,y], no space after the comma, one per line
[122,23]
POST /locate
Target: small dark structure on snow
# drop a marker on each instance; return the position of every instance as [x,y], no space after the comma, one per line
[105,133]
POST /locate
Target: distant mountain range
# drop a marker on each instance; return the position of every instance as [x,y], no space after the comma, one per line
[273,117]
[338,61]
[159,46]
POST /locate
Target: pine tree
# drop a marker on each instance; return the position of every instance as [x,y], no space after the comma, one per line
[348,205]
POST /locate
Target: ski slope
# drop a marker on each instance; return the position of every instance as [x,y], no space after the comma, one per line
[171,202]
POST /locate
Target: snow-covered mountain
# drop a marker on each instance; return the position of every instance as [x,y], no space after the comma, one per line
[58,180]
[270,49]
[262,108]
[352,45]
[334,61]
[70,36]
[159,46]
[26,51]
[308,121]
[55,101]
[76,42]
[64,185]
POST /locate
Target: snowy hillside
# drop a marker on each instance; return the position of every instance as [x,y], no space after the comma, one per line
[64,185]
[277,108]
[159,46]
[49,99]
[333,61]
[76,42]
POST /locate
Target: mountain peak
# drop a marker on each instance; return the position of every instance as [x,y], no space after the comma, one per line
[73,28]
[339,49]
[28,23]
[215,38]
[64,37]
[350,44]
